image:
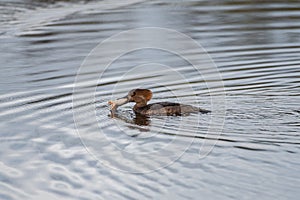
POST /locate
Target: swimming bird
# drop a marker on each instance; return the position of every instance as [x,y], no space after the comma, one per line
[141,98]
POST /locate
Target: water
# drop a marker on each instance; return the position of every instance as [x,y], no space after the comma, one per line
[58,140]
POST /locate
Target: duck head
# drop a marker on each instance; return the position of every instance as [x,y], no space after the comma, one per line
[139,96]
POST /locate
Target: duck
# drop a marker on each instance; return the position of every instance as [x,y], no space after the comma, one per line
[141,107]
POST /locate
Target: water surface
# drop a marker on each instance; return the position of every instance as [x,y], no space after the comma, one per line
[256,48]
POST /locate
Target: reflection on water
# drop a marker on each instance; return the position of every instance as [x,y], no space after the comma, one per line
[256,47]
[140,120]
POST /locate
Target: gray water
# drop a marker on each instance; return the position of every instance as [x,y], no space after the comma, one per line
[56,143]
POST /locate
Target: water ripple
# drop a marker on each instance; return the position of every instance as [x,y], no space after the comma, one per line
[256,48]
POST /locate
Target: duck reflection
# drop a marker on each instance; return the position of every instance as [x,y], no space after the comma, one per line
[138,119]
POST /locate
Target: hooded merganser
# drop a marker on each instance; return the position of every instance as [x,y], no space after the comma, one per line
[142,96]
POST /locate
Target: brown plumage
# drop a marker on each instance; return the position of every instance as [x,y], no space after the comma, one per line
[141,98]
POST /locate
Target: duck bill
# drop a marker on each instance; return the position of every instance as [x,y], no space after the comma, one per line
[121,101]
[118,102]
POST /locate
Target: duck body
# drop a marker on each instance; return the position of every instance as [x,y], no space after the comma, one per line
[142,96]
[167,108]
